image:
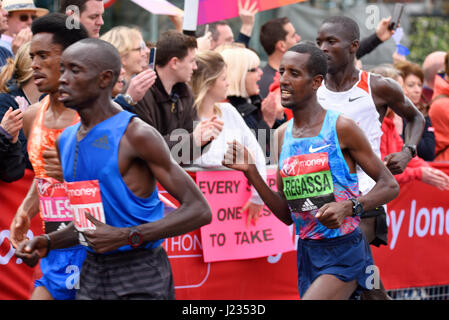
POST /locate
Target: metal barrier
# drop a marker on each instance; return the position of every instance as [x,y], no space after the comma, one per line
[421,293]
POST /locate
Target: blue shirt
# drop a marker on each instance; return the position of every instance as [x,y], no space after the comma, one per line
[97,159]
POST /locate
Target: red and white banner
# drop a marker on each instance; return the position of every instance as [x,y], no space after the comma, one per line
[84,196]
[53,201]
[418,238]
[420,259]
[415,256]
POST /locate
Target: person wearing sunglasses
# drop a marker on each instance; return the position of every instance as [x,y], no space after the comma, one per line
[5,53]
[133,50]
[21,14]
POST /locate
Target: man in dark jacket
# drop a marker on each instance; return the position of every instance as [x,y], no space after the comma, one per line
[169,104]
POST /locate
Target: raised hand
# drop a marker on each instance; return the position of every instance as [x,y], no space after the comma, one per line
[140,84]
[238,157]
[12,122]
[207,130]
[247,14]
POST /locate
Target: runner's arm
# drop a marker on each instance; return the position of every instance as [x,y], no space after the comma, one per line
[30,204]
[388,93]
[27,210]
[357,150]
[275,201]
[354,142]
[194,210]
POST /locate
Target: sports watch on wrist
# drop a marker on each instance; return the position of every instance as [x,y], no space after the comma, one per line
[357,208]
[135,238]
[412,149]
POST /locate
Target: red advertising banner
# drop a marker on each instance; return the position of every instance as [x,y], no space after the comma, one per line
[418,238]
[16,278]
[415,256]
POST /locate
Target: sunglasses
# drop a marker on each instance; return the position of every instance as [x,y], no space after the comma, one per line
[25,17]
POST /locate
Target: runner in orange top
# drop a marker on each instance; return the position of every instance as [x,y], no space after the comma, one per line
[42,138]
[43,123]
[55,215]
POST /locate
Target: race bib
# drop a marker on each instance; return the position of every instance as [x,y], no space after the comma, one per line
[85,197]
[307,180]
[53,201]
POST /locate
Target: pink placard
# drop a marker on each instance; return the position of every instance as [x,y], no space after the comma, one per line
[214,10]
[158,7]
[228,237]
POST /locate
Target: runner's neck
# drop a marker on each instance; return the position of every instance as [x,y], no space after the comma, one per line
[342,80]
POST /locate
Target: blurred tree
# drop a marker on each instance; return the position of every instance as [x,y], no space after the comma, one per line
[428,34]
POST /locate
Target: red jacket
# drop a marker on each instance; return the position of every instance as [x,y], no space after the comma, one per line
[391,142]
[439,116]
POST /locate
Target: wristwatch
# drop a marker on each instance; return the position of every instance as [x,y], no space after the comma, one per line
[129,100]
[412,149]
[357,208]
[135,238]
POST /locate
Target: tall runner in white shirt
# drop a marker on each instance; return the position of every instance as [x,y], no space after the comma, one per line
[365,97]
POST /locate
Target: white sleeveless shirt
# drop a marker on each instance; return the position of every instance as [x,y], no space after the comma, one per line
[357,103]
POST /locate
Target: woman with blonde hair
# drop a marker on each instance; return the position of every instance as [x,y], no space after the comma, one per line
[209,84]
[136,77]
[133,50]
[243,93]
[17,88]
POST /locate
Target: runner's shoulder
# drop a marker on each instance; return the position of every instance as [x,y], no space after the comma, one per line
[381,86]
[141,133]
[345,125]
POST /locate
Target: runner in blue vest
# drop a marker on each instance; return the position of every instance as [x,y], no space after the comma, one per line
[318,188]
[124,156]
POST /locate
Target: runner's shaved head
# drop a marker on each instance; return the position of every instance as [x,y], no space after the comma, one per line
[98,54]
[349,28]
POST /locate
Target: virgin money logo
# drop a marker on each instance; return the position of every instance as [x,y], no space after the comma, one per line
[45,188]
[290,167]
